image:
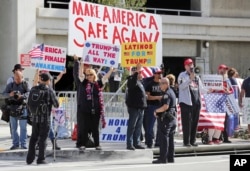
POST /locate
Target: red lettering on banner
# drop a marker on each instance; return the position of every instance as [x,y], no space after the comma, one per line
[90,10]
[54,59]
[82,30]
[53,50]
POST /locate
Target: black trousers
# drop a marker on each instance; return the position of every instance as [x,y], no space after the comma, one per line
[39,134]
[189,118]
[166,131]
[225,134]
[91,124]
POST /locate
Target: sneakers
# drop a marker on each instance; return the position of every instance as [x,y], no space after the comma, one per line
[14,147]
[139,147]
[24,147]
[41,162]
[187,145]
[194,144]
[227,141]
[131,148]
[217,142]
[98,148]
[210,143]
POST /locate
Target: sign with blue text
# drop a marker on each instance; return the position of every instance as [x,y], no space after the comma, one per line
[115,130]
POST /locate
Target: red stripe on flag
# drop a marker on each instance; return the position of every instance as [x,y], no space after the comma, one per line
[206,119]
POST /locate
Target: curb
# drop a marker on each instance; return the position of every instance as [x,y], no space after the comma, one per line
[87,155]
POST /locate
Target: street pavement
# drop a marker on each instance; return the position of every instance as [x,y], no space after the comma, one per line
[114,151]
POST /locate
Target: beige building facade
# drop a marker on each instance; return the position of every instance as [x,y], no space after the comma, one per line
[223,24]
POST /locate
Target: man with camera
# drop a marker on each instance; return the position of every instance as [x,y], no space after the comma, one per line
[166,120]
[17,93]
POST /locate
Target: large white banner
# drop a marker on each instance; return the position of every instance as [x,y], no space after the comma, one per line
[105,24]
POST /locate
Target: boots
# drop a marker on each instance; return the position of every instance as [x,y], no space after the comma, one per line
[54,145]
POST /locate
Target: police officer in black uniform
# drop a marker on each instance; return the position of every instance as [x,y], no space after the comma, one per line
[166,123]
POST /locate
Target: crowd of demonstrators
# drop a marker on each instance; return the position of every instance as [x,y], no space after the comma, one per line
[41,121]
[154,95]
[190,88]
[17,92]
[53,81]
[90,104]
[136,103]
[166,119]
[245,93]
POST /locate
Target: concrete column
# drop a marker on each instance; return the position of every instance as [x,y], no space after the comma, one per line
[206,8]
[17,33]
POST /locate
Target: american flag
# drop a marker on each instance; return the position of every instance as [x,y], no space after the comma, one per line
[212,114]
[148,71]
[37,52]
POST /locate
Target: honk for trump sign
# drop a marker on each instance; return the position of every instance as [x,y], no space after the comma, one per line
[105,24]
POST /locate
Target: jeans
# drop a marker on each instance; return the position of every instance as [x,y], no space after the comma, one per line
[134,126]
[16,139]
[150,122]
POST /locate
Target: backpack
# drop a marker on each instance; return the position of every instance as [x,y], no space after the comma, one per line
[38,101]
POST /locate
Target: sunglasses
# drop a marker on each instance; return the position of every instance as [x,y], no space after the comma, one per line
[87,75]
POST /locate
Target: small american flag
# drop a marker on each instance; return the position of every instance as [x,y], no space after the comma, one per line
[148,71]
[37,52]
[210,115]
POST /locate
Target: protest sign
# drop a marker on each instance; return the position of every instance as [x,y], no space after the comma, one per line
[246,111]
[51,58]
[100,23]
[101,54]
[212,81]
[115,130]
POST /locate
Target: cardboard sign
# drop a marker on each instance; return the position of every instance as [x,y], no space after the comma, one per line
[143,53]
[115,130]
[101,54]
[53,59]
[212,81]
[246,111]
[100,23]
[25,60]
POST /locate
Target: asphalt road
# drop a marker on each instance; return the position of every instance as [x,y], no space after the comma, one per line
[199,163]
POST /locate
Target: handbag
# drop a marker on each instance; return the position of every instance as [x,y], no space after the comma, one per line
[5,113]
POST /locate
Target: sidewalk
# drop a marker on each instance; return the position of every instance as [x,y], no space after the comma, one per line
[113,151]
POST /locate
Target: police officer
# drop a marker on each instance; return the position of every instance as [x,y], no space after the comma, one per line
[41,121]
[166,123]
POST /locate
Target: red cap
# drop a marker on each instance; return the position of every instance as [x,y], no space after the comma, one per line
[188,61]
[222,66]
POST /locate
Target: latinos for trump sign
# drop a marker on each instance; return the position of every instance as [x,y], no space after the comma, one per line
[143,53]
[99,23]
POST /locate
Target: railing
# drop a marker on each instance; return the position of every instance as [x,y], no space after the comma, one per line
[149,10]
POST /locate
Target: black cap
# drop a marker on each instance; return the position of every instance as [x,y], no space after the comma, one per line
[17,66]
[45,77]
